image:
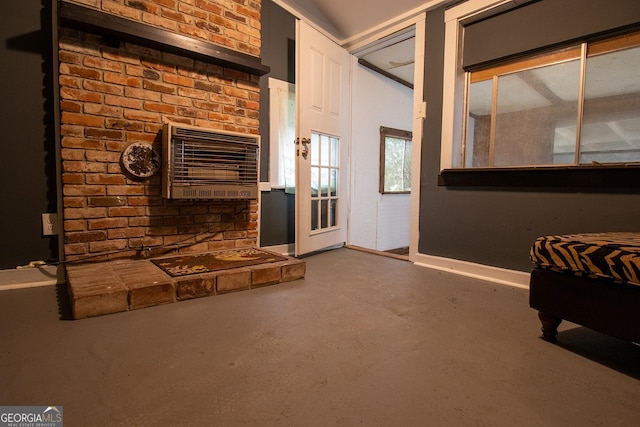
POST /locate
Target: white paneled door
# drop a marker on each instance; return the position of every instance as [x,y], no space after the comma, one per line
[323,109]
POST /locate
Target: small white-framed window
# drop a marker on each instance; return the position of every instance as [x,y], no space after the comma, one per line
[282,120]
[395,160]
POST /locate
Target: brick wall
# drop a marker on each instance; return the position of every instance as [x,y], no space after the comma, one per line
[113,94]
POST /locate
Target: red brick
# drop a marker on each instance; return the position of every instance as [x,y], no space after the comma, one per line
[159,108]
[72,107]
[131,92]
[70,57]
[122,101]
[125,190]
[141,137]
[293,270]
[106,179]
[69,81]
[121,10]
[83,190]
[105,223]
[80,95]
[107,246]
[74,225]
[141,115]
[103,294]
[106,201]
[267,274]
[192,11]
[72,154]
[155,87]
[167,3]
[125,233]
[75,178]
[126,211]
[158,21]
[123,124]
[102,110]
[175,16]
[102,64]
[178,80]
[85,213]
[82,119]
[235,280]
[235,17]
[75,70]
[73,137]
[103,87]
[85,237]
[90,167]
[209,6]
[187,288]
[252,13]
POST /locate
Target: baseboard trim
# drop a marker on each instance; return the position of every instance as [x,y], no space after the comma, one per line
[502,276]
[31,277]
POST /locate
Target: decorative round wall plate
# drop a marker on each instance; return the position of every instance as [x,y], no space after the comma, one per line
[140,159]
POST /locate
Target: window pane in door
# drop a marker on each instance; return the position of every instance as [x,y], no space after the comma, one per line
[324,214]
[315,149]
[324,182]
[332,214]
[333,185]
[334,152]
[315,181]
[324,150]
[314,214]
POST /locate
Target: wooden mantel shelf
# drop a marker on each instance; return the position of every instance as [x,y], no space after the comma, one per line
[92,20]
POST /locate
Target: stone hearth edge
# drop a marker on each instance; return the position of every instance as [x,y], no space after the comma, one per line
[101,288]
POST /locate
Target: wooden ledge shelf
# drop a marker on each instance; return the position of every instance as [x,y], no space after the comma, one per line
[95,21]
[623,179]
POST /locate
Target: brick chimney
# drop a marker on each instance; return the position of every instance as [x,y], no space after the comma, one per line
[114,93]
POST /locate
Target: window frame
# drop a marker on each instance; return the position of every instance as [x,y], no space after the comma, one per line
[386,132]
[579,177]
[579,52]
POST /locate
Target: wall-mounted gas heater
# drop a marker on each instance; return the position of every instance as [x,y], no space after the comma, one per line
[199,163]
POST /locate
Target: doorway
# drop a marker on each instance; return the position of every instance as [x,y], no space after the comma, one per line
[363,216]
[384,97]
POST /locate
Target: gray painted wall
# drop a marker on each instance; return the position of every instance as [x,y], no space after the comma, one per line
[277,220]
[496,226]
[27,147]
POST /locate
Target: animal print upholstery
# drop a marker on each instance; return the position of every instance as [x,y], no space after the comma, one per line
[613,255]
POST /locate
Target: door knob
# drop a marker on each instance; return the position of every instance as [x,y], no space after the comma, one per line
[305,147]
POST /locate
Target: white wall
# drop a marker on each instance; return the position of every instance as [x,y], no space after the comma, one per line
[376,221]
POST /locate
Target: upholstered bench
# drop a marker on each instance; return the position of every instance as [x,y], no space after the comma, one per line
[590,279]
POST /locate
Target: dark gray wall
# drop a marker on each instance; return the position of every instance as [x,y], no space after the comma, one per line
[277,221]
[27,147]
[542,24]
[496,226]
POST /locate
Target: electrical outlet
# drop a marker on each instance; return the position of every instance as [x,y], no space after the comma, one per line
[49,224]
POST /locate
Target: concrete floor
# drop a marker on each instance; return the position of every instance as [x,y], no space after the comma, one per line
[362,340]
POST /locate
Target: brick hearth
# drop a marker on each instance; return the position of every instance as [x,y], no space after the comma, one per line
[116,91]
[121,285]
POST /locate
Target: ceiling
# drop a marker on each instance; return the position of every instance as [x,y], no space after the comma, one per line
[346,19]
[350,21]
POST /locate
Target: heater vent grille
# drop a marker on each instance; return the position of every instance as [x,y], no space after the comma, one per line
[202,164]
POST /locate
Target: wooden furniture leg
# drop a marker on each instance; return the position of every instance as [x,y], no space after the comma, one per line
[549,326]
